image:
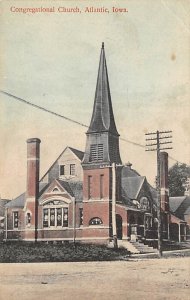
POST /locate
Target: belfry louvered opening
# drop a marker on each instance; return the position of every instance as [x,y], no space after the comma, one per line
[96,152]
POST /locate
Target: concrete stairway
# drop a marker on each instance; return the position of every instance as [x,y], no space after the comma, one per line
[134,247]
[142,248]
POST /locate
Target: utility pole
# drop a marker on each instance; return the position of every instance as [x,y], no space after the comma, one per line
[157,137]
[114,225]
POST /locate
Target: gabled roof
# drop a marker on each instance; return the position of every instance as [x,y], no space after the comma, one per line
[131,186]
[180,205]
[79,154]
[187,212]
[17,202]
[20,200]
[175,202]
[77,190]
[102,116]
[66,186]
[129,172]
[74,188]
[3,203]
[153,192]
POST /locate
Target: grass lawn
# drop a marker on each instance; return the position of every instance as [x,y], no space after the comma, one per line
[22,252]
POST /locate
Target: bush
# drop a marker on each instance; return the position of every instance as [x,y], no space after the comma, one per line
[42,252]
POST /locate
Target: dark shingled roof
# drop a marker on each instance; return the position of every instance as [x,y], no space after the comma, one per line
[20,200]
[77,189]
[184,206]
[3,203]
[17,202]
[128,172]
[66,186]
[102,116]
[73,188]
[131,186]
[180,206]
[175,202]
[78,153]
[187,212]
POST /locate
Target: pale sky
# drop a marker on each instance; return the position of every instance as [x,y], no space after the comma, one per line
[52,60]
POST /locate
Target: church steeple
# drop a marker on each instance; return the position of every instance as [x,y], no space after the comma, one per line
[102,149]
[102,145]
[102,117]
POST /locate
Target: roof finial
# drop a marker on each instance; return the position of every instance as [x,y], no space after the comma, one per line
[102,45]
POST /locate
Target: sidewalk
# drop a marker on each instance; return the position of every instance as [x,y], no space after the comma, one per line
[165,254]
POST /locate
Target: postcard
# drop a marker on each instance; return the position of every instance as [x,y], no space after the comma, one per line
[95,144]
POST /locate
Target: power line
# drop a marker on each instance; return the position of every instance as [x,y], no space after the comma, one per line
[69,119]
[43,108]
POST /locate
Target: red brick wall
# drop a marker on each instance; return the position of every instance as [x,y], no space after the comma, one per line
[95,173]
[33,155]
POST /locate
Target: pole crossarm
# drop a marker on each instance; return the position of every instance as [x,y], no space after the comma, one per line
[169,142]
[150,149]
[166,148]
[153,144]
[165,137]
[149,133]
[167,131]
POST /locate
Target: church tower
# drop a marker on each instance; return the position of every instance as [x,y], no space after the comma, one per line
[102,151]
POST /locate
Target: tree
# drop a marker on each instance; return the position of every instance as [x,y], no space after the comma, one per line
[177,178]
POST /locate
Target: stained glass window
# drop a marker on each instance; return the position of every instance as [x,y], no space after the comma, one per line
[15,219]
[95,221]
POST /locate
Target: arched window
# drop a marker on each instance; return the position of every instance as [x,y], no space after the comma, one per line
[28,218]
[55,214]
[144,203]
[95,221]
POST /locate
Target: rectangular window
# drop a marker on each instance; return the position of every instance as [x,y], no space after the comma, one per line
[101,186]
[52,216]
[28,219]
[81,216]
[55,217]
[15,219]
[72,169]
[62,170]
[65,217]
[89,187]
[59,216]
[96,152]
[45,217]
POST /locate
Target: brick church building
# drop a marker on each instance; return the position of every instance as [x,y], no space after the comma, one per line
[88,196]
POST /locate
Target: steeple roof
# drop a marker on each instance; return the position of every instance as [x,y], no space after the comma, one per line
[102,117]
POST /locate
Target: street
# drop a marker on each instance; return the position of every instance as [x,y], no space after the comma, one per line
[134,279]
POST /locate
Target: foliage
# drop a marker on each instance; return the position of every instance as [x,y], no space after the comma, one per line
[43,252]
[177,178]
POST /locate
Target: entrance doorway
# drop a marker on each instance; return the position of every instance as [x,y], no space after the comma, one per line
[119,227]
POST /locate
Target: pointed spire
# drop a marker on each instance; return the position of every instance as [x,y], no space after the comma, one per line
[102,117]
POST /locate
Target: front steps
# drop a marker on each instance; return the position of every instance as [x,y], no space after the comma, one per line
[134,247]
[142,248]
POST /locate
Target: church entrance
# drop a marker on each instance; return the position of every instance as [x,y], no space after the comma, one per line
[119,227]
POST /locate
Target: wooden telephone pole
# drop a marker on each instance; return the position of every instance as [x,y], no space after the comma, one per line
[157,136]
[114,224]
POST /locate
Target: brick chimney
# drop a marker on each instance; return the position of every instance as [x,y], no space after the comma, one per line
[164,181]
[32,188]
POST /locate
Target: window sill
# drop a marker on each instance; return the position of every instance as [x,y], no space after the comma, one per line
[55,228]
